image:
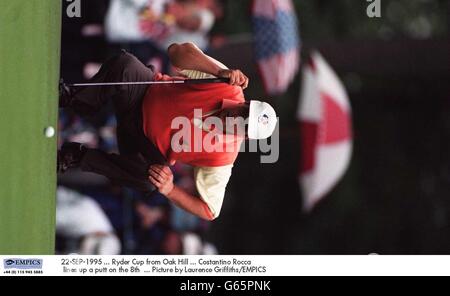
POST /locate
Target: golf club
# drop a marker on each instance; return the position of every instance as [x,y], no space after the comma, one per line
[187,81]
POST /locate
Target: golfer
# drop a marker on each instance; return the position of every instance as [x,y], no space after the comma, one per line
[150,121]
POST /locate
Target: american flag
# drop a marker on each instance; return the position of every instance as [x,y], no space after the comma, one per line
[276,42]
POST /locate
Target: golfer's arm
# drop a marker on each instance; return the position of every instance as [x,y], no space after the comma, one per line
[190,203]
[188,56]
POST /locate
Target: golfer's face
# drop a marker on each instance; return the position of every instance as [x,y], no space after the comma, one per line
[235,112]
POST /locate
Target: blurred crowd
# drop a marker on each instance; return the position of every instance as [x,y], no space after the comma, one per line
[93,215]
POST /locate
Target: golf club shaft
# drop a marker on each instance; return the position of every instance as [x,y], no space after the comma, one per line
[187,81]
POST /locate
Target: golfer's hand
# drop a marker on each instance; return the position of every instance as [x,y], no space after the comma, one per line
[236,77]
[162,178]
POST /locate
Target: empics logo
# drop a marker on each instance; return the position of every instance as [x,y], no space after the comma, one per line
[15,263]
[9,262]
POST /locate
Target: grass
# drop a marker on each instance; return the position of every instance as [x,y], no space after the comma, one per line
[29,71]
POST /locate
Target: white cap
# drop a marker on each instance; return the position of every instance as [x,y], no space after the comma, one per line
[262,120]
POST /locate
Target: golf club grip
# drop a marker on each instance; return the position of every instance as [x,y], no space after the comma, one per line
[209,80]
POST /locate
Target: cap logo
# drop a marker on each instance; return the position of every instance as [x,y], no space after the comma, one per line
[264,119]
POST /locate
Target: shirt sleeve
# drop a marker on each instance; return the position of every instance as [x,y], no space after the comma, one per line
[211,184]
[193,74]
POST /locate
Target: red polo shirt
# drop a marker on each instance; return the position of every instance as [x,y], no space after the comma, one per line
[163,103]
